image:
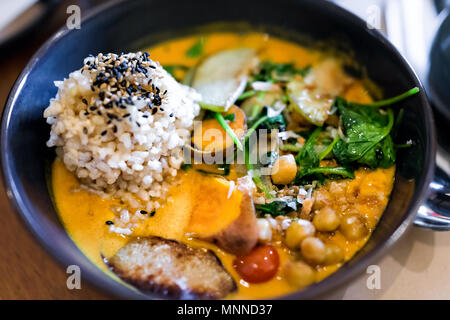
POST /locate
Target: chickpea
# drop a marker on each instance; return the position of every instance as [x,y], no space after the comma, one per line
[326,220]
[297,231]
[353,227]
[333,254]
[284,169]
[313,250]
[299,274]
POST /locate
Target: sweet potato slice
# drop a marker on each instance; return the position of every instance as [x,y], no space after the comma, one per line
[172,268]
[211,137]
[216,204]
[224,214]
[241,236]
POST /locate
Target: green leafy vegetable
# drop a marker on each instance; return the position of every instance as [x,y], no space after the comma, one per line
[277,207]
[307,156]
[197,49]
[365,129]
[328,149]
[272,72]
[338,171]
[367,132]
[275,122]
[308,162]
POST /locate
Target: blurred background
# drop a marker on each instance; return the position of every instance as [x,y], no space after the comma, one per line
[420,29]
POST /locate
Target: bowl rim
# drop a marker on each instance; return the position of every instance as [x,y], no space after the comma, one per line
[114,288]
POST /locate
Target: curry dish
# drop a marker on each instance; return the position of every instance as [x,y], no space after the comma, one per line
[255,229]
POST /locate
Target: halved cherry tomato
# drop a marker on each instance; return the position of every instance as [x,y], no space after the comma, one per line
[260,265]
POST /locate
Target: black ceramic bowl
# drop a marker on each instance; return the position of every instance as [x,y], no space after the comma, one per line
[129,25]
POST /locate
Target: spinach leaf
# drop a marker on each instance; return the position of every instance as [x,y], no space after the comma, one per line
[368,138]
[307,156]
[271,123]
[380,156]
[263,121]
[197,49]
[277,207]
[336,171]
[308,163]
[365,128]
[273,72]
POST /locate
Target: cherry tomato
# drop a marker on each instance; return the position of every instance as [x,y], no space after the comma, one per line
[260,265]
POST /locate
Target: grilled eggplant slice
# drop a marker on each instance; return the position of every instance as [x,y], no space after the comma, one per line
[173,269]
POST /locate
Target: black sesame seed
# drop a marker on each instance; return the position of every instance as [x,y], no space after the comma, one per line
[115,129]
[126,115]
[143,212]
[92,108]
[104,132]
[84,101]
[155,110]
[157,100]
[152,213]
[109,222]
[171,115]
[101,94]
[145,116]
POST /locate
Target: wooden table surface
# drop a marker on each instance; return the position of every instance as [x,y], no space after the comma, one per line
[26,270]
